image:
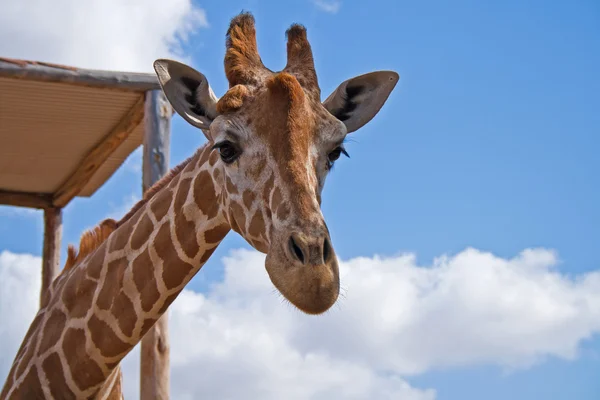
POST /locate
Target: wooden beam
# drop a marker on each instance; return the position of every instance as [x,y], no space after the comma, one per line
[46,72]
[154,357]
[98,155]
[51,251]
[23,199]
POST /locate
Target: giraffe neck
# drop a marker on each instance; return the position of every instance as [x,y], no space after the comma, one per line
[98,311]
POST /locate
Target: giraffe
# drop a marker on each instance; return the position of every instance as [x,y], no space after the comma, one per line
[271,142]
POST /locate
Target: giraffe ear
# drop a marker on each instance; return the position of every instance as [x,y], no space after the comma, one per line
[188,91]
[356,101]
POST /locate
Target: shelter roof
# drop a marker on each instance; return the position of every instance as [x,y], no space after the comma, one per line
[64,130]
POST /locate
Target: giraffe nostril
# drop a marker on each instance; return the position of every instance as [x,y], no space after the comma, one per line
[326,250]
[296,250]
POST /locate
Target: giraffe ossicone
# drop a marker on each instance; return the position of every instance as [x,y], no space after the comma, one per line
[271,142]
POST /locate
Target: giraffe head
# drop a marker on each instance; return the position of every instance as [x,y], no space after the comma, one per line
[274,142]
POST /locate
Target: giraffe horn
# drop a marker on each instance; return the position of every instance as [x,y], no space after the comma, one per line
[242,61]
[300,60]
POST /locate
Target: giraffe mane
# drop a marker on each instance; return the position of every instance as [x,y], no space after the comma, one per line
[93,238]
[90,241]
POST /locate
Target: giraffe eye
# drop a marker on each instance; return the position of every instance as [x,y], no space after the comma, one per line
[228,151]
[335,154]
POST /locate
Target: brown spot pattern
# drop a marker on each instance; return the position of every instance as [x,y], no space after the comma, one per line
[143,277]
[94,267]
[173,184]
[233,224]
[53,328]
[36,322]
[268,214]
[212,160]
[257,225]
[78,294]
[231,189]
[205,154]
[248,198]
[142,231]
[216,234]
[239,216]
[184,229]
[122,309]
[175,269]
[104,338]
[86,373]
[205,194]
[30,388]
[168,302]
[112,283]
[55,375]
[283,212]
[207,254]
[122,235]
[29,350]
[160,205]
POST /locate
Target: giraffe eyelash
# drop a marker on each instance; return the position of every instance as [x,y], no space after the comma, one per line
[344,152]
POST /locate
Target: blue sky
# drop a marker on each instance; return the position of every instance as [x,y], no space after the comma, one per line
[489,141]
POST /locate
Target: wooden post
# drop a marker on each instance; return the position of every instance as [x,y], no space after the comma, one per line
[51,252]
[154,357]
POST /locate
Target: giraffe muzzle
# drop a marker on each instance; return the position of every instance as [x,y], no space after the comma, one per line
[303,266]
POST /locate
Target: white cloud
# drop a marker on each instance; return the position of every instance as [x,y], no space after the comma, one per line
[101,34]
[330,6]
[20,282]
[396,319]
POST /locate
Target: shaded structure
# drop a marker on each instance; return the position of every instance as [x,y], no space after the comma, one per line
[64,131]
